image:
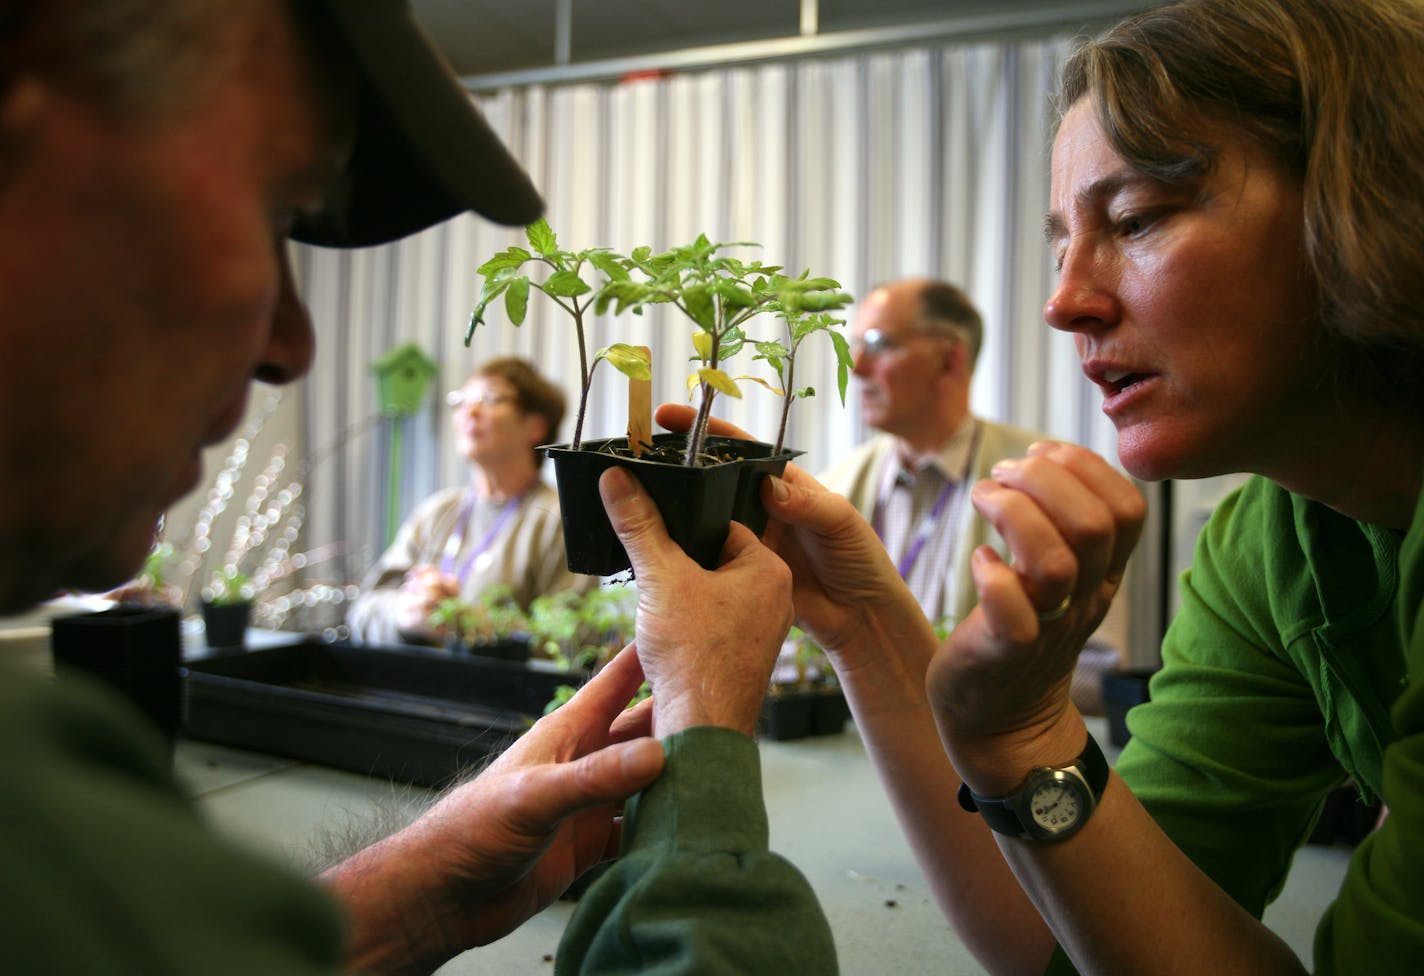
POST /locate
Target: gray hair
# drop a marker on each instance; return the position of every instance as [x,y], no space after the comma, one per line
[945,309]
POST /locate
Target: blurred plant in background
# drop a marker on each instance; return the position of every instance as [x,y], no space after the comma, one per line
[802,666]
[495,616]
[581,632]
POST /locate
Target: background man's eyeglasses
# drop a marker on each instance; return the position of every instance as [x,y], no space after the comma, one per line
[875,341]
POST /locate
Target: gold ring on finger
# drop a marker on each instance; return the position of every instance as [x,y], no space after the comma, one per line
[1050,615]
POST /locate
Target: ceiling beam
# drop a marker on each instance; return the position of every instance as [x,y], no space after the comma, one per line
[1045,16]
[563,32]
[810,17]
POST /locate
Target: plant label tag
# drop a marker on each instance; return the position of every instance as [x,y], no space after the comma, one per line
[640,411]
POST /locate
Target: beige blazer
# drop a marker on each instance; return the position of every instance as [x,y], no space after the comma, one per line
[859,476]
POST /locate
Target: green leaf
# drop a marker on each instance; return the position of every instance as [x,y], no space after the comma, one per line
[516,300]
[606,261]
[804,283]
[541,238]
[845,361]
[624,293]
[505,260]
[565,284]
[820,300]
[774,353]
[489,291]
[629,360]
[697,299]
[804,325]
[805,391]
[731,344]
[719,381]
[735,294]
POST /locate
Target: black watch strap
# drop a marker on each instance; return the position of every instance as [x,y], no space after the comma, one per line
[1002,812]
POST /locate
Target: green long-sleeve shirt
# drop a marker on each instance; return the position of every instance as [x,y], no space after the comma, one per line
[1379,915]
[696,889]
[1279,674]
[107,867]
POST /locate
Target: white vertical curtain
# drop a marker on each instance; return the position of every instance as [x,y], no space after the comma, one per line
[866,167]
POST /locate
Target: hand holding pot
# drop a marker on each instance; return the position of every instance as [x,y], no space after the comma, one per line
[708,640]
[501,847]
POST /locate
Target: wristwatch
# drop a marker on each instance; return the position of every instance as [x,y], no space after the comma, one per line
[1053,803]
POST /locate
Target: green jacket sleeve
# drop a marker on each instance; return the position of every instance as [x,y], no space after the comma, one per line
[1377,923]
[696,889]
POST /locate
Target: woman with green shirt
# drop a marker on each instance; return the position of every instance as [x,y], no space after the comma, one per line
[1235,213]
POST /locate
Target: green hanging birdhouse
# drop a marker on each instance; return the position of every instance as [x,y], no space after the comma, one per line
[402,377]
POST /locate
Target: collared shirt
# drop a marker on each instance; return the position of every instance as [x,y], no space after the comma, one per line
[918,508]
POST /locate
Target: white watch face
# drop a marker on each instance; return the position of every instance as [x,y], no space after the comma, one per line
[1057,804]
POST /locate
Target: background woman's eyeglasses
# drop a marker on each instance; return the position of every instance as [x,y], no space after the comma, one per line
[458,399]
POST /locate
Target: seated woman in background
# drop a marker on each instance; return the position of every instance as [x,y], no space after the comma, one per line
[502,529]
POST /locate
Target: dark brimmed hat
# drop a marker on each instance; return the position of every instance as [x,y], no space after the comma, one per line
[423,151]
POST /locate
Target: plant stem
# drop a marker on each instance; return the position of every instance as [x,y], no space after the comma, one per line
[697,435]
[585,378]
[786,401]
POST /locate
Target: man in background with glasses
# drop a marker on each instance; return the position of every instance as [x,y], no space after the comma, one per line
[916,342]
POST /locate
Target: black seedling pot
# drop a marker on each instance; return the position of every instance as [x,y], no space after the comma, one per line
[225,624]
[135,650]
[697,503]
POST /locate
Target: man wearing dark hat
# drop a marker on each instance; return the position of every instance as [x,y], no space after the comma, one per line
[155,155]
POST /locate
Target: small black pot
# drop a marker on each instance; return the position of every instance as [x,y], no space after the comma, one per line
[788,715]
[830,714]
[697,504]
[225,624]
[136,650]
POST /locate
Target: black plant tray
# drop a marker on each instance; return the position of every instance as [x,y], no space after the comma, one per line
[415,715]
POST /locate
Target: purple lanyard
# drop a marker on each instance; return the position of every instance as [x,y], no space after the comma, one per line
[929,519]
[457,537]
[922,530]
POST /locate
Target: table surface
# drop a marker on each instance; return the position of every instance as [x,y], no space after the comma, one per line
[827,812]
[826,808]
[828,816]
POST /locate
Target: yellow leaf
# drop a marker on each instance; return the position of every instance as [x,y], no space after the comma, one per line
[719,381]
[758,379]
[631,361]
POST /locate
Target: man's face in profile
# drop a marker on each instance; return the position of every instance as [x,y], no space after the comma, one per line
[146,285]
